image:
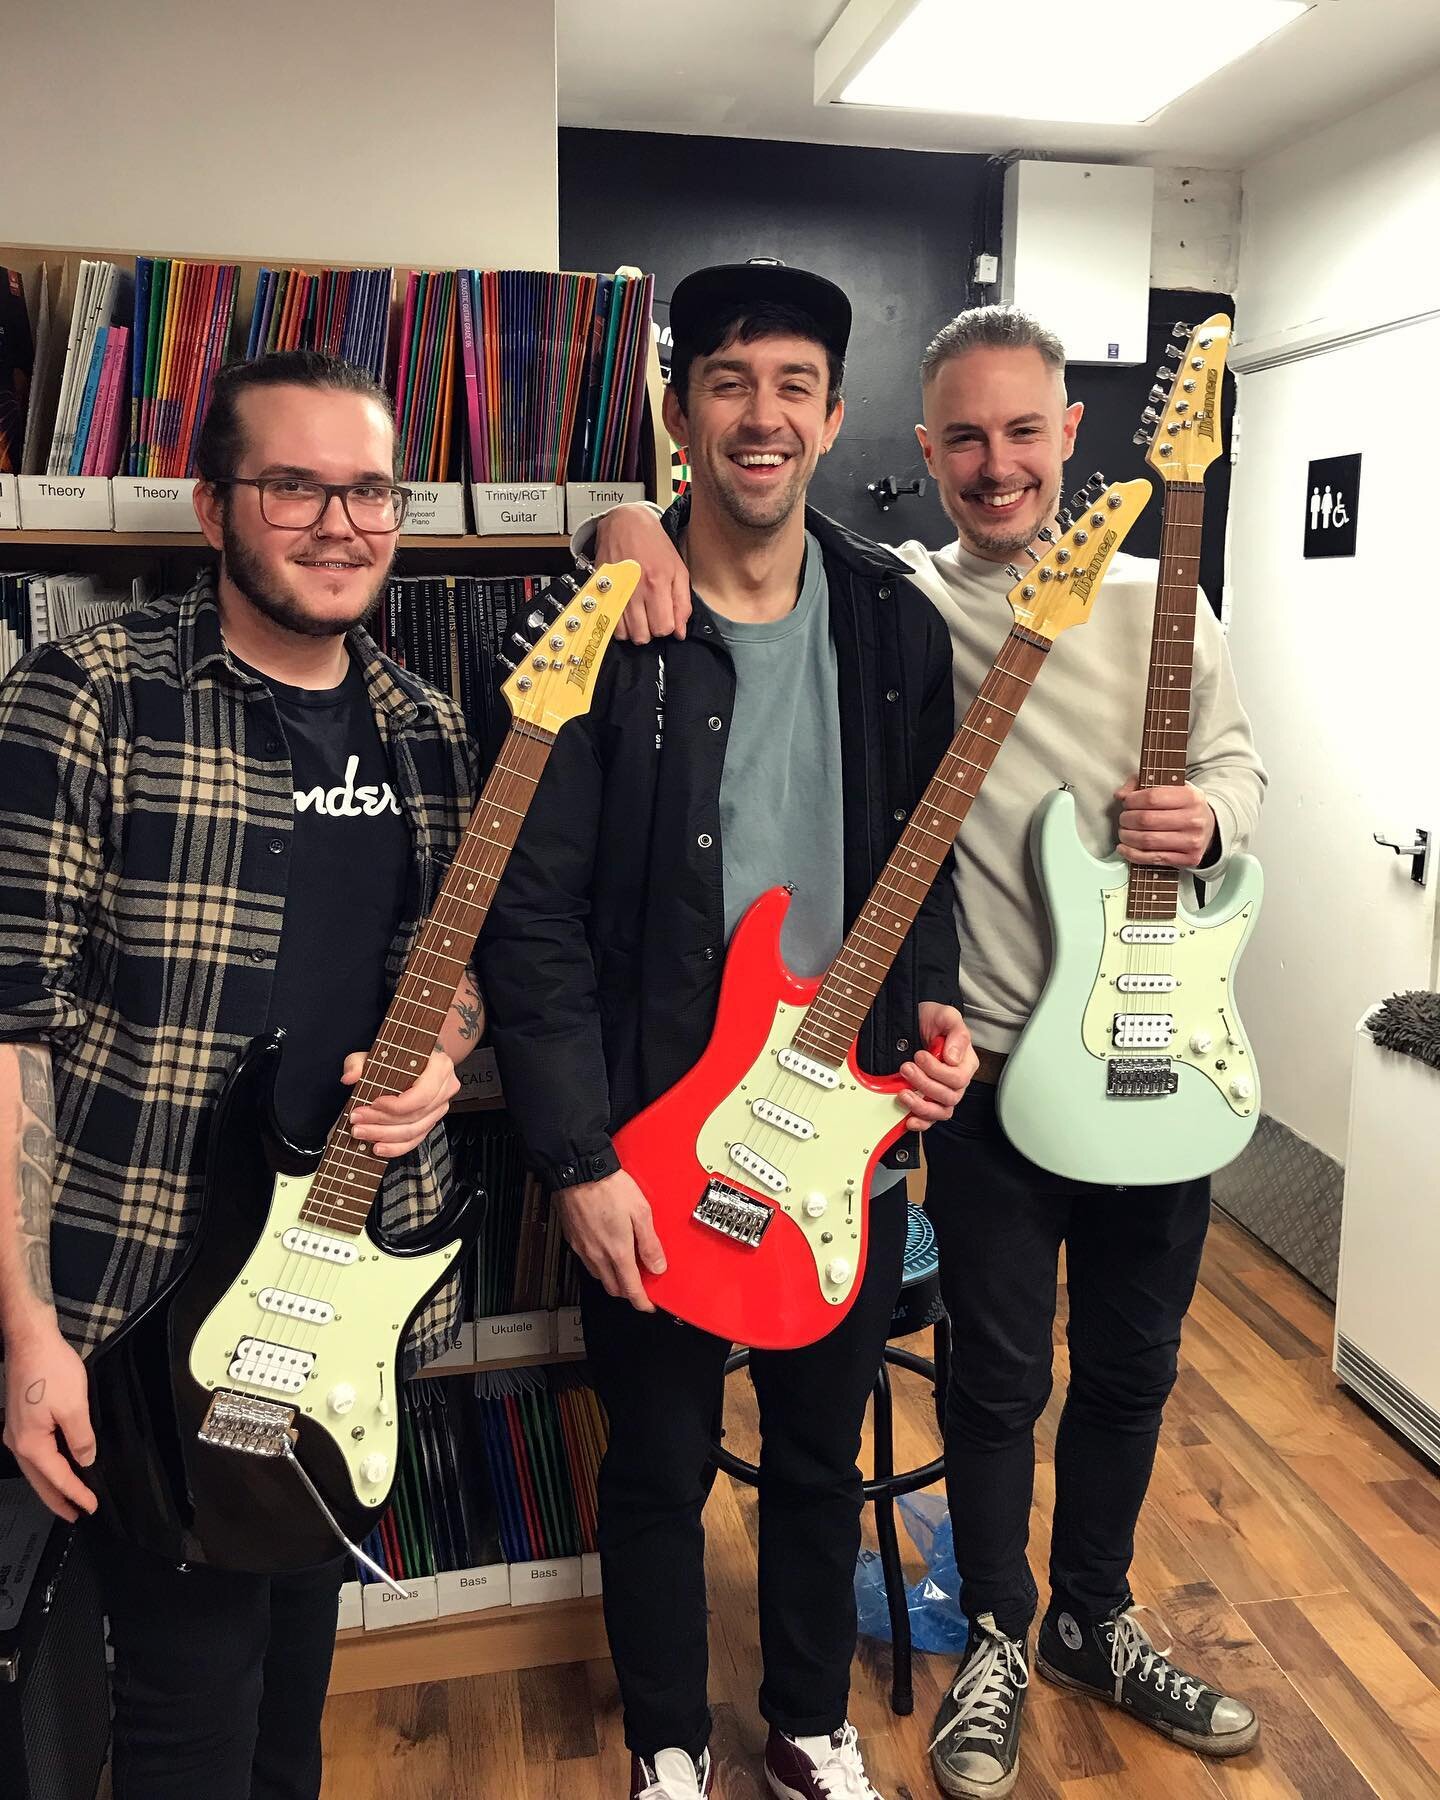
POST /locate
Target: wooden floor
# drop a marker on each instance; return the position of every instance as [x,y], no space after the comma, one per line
[1291,1544]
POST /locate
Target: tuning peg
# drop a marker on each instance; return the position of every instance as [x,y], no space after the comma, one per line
[1046,535]
[1150,416]
[1181,329]
[1165,374]
[1065,518]
[521,643]
[1158,394]
[505,663]
[1032,554]
[1012,572]
[1143,437]
[1170,350]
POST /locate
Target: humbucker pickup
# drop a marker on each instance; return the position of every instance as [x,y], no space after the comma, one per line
[1144,1031]
[1141,1078]
[770,1114]
[277,1366]
[733,1214]
[1146,984]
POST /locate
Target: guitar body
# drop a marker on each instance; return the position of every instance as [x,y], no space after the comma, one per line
[1072,1098]
[764,1220]
[326,1345]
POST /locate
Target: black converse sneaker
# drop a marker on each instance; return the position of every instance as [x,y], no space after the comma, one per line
[975,1750]
[1115,1661]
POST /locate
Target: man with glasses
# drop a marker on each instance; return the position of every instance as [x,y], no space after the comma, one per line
[183,866]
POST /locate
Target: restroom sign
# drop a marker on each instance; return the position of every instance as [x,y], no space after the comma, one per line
[1332,506]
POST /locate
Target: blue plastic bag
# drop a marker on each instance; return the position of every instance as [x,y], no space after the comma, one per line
[936,1622]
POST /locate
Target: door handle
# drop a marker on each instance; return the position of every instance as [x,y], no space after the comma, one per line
[1418,852]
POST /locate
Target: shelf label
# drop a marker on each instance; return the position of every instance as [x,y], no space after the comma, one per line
[590,1583]
[9,502]
[569,1332]
[473,1590]
[352,1612]
[462,1356]
[65,503]
[536,1583]
[479,1078]
[383,1607]
[518,508]
[588,499]
[146,503]
[504,1335]
[436,509]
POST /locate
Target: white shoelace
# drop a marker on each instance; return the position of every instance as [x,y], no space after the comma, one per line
[981,1689]
[674,1777]
[1132,1648]
[839,1768]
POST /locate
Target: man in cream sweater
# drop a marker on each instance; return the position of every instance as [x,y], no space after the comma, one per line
[998,430]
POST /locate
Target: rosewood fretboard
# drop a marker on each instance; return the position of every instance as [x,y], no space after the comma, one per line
[348,1177]
[833,1019]
[1164,748]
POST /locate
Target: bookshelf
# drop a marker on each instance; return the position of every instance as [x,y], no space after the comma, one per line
[452,1645]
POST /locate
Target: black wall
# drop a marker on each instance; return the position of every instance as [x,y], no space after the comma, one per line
[897,229]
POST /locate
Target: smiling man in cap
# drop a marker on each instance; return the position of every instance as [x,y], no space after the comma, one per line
[706,772]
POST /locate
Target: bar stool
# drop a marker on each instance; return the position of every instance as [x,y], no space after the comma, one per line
[918,1306]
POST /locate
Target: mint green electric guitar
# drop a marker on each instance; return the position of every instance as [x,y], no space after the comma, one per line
[1134,1068]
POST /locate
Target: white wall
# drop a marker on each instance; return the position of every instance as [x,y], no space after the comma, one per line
[415,131]
[1338,258]
[1196,237]
[1341,227]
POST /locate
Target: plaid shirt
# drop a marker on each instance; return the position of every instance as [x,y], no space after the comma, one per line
[146,800]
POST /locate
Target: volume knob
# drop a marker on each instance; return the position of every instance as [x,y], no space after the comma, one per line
[1200,1041]
[374,1468]
[1241,1087]
[340,1398]
[815,1205]
[837,1271]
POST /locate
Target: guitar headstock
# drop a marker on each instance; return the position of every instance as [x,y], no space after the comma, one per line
[1059,591]
[1181,425]
[555,657]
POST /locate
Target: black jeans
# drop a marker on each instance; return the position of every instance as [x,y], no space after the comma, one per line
[1132,1258]
[662,1385]
[219,1679]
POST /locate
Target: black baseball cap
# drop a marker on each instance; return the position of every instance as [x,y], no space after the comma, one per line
[764,281]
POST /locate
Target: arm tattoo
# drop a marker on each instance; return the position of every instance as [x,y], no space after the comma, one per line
[469,1008]
[34,1170]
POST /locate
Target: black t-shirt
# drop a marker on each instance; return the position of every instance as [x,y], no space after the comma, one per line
[350,857]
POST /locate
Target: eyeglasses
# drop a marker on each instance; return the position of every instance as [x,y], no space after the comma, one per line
[294,504]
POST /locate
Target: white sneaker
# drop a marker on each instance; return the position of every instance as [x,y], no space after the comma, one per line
[818,1768]
[672,1776]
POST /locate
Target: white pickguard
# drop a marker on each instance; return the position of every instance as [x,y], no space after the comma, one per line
[818,1154]
[306,1328]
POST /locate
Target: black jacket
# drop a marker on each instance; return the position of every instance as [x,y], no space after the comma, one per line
[601,957]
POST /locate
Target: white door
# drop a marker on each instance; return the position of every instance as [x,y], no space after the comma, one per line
[1338,663]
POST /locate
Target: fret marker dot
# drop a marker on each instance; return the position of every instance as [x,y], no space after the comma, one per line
[425,992]
[447,943]
[469,887]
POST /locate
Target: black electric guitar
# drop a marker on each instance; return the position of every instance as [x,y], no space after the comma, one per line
[249,1415]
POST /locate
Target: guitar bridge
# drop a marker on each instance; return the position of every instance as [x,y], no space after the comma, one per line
[1141,1078]
[242,1422]
[733,1214]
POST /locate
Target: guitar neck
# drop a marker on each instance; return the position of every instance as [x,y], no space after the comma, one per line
[348,1177]
[834,1017]
[1164,748]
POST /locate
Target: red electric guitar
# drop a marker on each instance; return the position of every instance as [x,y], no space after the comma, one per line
[757,1164]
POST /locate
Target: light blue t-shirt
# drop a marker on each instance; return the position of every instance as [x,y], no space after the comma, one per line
[781,805]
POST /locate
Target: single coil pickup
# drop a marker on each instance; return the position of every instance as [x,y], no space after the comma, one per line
[1149,934]
[315,1243]
[1141,1078]
[757,1168]
[275,1366]
[242,1422]
[770,1114]
[295,1306]
[1143,1031]
[737,1216]
[1146,984]
[807,1068]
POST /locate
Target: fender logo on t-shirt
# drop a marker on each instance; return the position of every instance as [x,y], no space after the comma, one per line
[348,801]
